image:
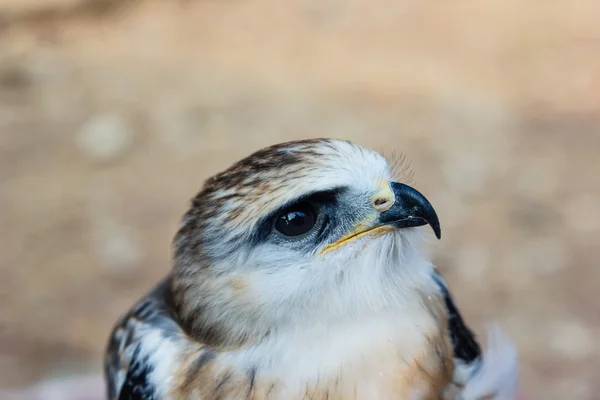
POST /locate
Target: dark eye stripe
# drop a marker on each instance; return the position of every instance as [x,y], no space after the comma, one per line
[264,227]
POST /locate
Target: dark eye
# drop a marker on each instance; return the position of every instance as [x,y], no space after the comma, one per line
[296,220]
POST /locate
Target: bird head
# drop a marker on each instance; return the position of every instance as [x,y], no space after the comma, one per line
[312,231]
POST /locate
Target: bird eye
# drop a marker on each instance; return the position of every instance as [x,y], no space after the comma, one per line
[296,220]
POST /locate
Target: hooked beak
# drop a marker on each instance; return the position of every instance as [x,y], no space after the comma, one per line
[397,206]
[410,209]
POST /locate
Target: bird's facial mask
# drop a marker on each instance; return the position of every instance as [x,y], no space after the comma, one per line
[394,207]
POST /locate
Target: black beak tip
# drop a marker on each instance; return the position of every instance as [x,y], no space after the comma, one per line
[436,229]
[411,208]
[433,222]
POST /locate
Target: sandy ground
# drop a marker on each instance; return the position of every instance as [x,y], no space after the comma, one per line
[111,118]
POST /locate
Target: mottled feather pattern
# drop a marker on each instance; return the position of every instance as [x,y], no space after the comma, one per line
[234,199]
[128,364]
[131,366]
[137,385]
[249,314]
[197,376]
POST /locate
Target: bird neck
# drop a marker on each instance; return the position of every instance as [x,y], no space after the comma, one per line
[229,310]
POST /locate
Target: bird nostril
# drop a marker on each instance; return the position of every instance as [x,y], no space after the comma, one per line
[382,203]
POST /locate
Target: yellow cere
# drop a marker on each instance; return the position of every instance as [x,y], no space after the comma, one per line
[384,199]
[381,201]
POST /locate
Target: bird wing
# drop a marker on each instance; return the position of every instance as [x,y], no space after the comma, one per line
[489,375]
[467,352]
[466,348]
[142,349]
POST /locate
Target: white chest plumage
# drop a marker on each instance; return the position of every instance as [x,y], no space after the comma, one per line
[375,359]
[379,357]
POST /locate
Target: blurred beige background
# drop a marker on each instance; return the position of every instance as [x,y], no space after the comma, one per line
[112,113]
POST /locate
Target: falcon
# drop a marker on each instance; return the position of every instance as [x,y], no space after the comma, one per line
[298,273]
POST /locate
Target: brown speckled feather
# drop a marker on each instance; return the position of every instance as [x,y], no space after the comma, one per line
[257,307]
[201,372]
